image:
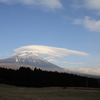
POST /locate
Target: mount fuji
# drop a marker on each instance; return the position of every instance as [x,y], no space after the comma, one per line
[28,59]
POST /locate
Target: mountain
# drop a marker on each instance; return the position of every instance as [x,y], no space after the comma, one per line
[28,59]
[32,60]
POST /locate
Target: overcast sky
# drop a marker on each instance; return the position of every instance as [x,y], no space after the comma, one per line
[66,32]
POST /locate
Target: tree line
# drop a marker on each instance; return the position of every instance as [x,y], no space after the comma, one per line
[24,76]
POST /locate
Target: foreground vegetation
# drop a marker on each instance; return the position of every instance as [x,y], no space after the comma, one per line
[8,92]
[24,76]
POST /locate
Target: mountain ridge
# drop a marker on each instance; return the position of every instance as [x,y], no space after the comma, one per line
[29,59]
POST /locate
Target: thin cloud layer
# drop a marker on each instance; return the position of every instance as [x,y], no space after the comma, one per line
[49,51]
[88,23]
[88,4]
[92,71]
[51,4]
[92,4]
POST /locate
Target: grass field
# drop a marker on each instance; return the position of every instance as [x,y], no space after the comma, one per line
[8,92]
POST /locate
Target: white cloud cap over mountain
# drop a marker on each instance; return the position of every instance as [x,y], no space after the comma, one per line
[49,51]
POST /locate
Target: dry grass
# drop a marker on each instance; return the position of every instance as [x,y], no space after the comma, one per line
[8,92]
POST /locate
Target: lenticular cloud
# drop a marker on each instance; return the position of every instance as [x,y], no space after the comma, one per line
[48,51]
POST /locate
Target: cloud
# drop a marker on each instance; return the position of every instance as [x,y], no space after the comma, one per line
[88,4]
[92,4]
[51,4]
[92,71]
[88,23]
[77,3]
[51,51]
[51,59]
[76,63]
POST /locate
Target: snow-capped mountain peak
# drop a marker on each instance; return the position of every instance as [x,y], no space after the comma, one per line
[29,59]
[29,56]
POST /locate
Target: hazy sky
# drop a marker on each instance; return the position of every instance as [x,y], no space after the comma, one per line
[68,31]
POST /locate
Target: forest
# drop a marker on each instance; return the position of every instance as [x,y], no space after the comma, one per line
[24,76]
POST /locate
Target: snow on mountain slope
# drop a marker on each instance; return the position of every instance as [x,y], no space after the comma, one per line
[28,56]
